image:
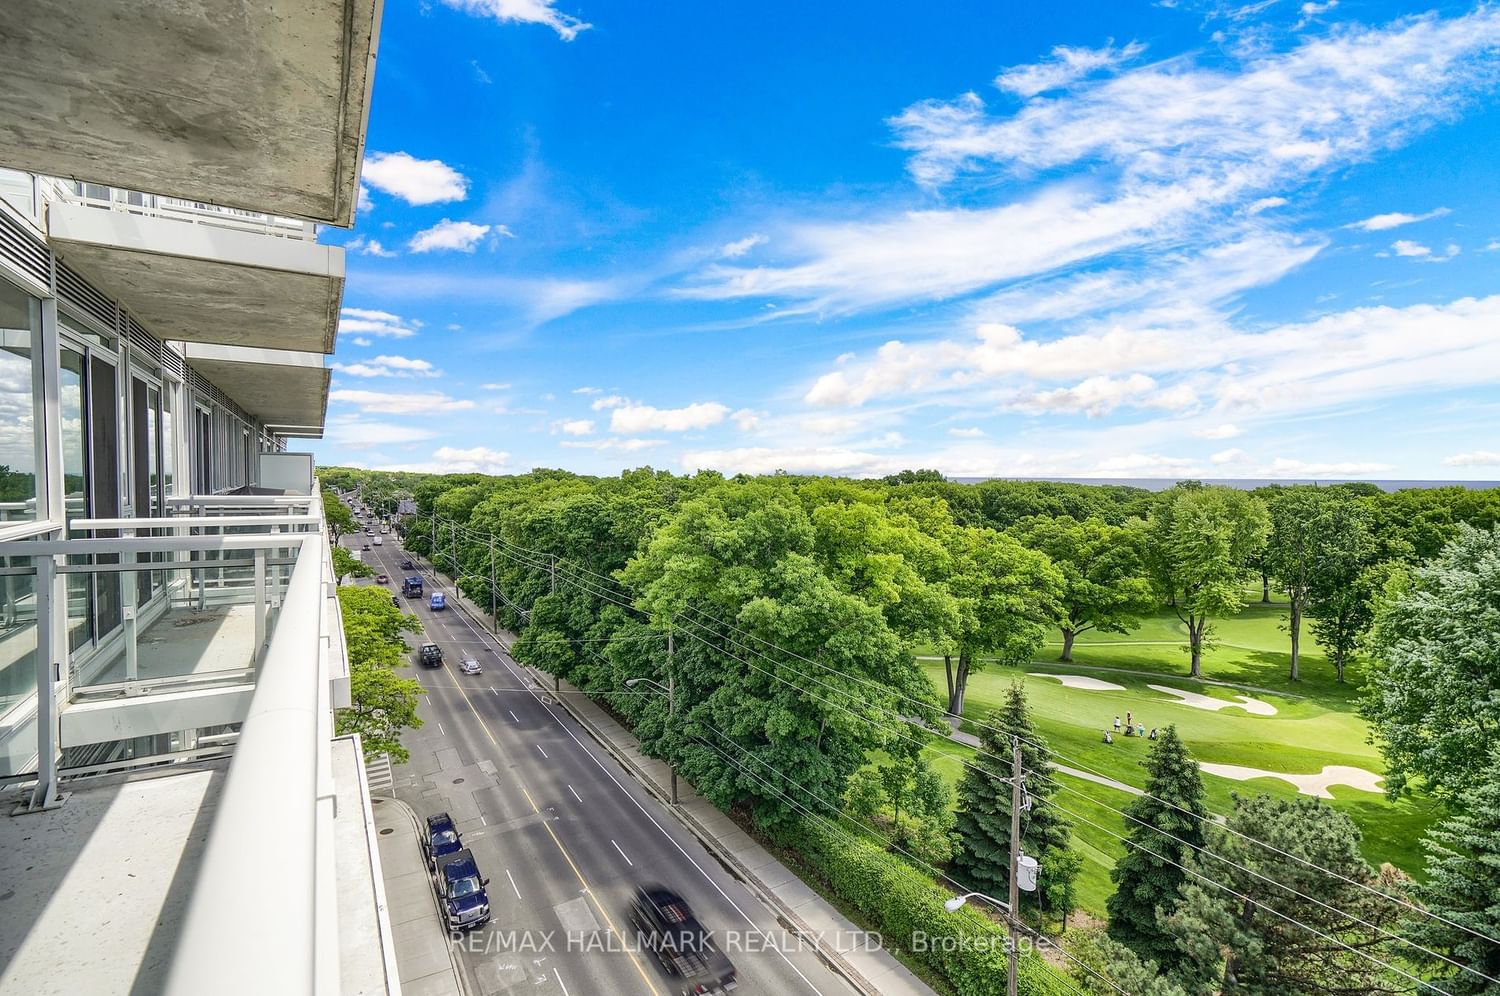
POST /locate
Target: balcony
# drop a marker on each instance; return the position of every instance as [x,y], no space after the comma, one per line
[248,104]
[194,791]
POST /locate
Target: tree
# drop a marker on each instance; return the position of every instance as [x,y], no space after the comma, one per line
[1165,827]
[1007,599]
[983,818]
[1198,540]
[1341,597]
[346,565]
[340,520]
[382,705]
[1463,887]
[1319,542]
[1105,585]
[1433,695]
[1251,924]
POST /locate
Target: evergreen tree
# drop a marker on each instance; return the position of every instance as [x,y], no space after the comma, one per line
[1463,885]
[1147,886]
[983,818]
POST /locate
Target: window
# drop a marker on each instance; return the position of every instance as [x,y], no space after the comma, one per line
[20,321]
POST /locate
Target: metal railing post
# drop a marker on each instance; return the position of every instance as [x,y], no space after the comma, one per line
[260,604]
[128,618]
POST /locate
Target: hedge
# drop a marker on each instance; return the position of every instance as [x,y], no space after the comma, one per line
[906,907]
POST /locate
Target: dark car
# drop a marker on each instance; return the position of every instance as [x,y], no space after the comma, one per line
[460,891]
[365,547]
[441,839]
[407,565]
[430,655]
[665,926]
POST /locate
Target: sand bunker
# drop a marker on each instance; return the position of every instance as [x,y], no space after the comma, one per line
[1333,774]
[1080,681]
[1254,706]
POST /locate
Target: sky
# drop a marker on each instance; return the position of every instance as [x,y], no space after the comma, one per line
[1118,239]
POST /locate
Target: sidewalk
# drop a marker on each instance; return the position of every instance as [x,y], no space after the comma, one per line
[801,910]
[425,960]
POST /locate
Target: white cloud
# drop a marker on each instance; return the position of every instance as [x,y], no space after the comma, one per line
[375,323]
[495,387]
[388,366]
[415,181]
[1144,464]
[1227,430]
[588,390]
[574,427]
[1476,458]
[623,445]
[1395,219]
[367,247]
[764,460]
[366,202]
[1283,467]
[1265,204]
[609,401]
[1406,247]
[632,418]
[542,12]
[973,432]
[355,433]
[1228,456]
[738,248]
[748,419]
[452,460]
[460,236]
[1068,65]
[1173,152]
[360,340]
[1098,396]
[377,403]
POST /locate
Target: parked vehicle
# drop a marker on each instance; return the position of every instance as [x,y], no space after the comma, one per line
[430,655]
[412,587]
[470,666]
[440,840]
[438,602]
[460,891]
[666,927]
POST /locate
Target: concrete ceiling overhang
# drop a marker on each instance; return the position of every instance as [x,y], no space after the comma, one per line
[254,104]
[277,387]
[203,283]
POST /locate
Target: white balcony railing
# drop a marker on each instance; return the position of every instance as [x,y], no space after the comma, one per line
[177,209]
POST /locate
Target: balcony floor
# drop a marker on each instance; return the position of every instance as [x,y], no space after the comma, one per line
[181,643]
[115,864]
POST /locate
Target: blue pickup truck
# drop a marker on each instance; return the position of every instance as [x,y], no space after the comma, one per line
[460,891]
[441,840]
[438,602]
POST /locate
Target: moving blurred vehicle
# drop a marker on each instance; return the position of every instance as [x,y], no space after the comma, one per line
[665,926]
[470,666]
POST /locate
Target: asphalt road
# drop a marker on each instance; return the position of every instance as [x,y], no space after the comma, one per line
[563,832]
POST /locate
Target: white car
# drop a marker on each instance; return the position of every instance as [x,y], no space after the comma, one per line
[470,666]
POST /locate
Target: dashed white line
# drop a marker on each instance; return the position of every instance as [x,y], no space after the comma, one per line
[622,853]
[544,753]
[483,820]
[441,730]
[513,886]
[513,715]
[575,793]
[558,974]
[492,690]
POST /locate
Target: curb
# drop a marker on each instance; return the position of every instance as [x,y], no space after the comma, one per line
[416,830]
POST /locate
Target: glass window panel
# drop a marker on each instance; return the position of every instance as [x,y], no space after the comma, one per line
[104,481]
[17,666]
[70,409]
[20,320]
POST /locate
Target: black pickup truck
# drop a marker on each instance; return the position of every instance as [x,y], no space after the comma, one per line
[666,926]
[430,655]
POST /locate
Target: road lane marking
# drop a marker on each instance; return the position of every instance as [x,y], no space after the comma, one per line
[512,715]
[463,617]
[544,753]
[622,853]
[558,975]
[441,730]
[575,793]
[483,820]
[513,883]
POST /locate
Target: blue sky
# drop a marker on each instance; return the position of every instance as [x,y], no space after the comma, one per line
[1075,239]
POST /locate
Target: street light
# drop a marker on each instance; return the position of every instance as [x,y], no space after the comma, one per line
[953,905]
[670,690]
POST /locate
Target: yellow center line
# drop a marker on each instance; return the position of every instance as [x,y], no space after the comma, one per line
[587,889]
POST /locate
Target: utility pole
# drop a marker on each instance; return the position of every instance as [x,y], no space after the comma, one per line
[1012,915]
[494,614]
[552,571]
[672,700]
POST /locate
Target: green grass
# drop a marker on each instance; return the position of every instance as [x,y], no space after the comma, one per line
[1315,725]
